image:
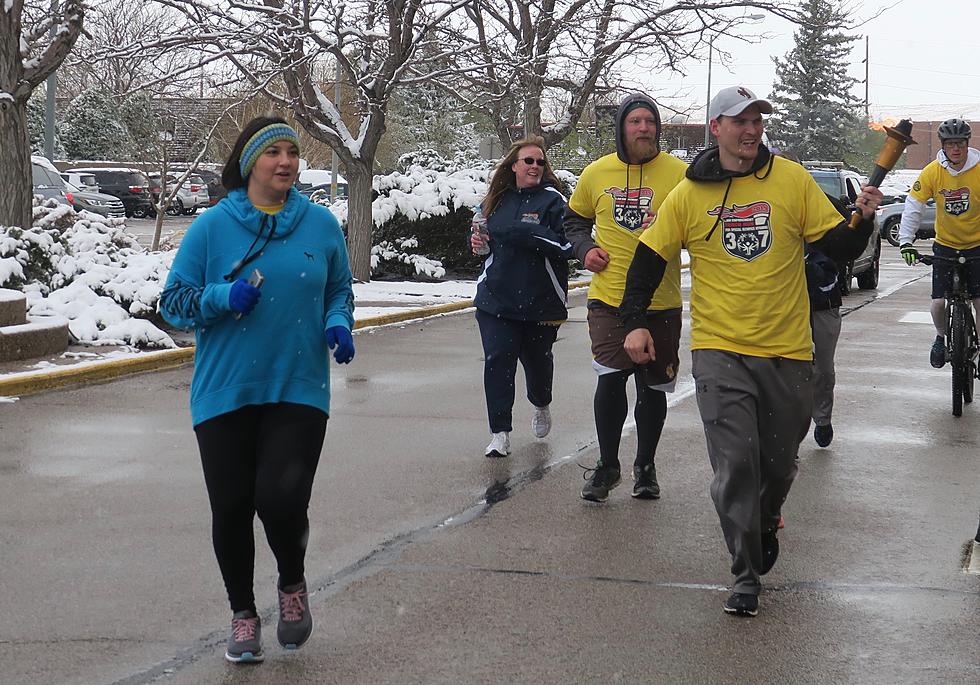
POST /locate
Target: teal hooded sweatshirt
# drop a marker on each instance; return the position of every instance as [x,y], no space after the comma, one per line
[278,352]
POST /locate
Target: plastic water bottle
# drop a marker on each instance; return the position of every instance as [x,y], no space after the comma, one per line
[479,227]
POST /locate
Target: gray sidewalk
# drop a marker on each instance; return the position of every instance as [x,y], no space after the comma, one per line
[435,565]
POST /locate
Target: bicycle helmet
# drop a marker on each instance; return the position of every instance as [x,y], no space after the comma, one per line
[954,129]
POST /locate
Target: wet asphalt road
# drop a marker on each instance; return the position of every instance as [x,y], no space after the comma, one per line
[433,564]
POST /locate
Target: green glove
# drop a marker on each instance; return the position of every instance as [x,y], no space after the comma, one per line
[909,254]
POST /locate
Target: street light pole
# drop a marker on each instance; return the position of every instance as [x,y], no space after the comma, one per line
[51,88]
[707,99]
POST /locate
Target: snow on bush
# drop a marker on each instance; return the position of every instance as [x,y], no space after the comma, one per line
[86,268]
[422,215]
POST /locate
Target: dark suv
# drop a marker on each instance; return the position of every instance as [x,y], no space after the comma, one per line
[129,185]
[845,185]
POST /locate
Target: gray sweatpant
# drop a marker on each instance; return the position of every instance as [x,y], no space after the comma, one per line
[755,412]
[826,331]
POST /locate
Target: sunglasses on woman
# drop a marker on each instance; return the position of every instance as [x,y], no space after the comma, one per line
[531,160]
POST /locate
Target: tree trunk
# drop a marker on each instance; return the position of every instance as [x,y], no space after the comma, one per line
[15,164]
[360,224]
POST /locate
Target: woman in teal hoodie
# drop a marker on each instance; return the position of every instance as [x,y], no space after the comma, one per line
[264,281]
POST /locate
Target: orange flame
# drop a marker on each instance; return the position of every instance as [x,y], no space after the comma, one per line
[880,125]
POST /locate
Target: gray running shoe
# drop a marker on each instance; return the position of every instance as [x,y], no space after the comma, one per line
[245,641]
[600,481]
[295,620]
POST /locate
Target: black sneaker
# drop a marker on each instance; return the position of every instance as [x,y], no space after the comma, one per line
[770,552]
[742,604]
[601,480]
[645,484]
[824,435]
[937,355]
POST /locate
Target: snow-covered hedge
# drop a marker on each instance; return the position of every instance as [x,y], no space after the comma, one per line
[86,268]
[422,216]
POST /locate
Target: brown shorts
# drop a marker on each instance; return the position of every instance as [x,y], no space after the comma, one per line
[608,335]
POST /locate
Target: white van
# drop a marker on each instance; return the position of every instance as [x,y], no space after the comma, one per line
[81,179]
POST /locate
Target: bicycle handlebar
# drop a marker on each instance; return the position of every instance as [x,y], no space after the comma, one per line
[928,259]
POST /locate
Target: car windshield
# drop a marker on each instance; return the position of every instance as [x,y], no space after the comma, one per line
[828,183]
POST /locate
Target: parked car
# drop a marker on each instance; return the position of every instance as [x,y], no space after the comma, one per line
[46,180]
[81,181]
[318,181]
[129,185]
[100,203]
[890,218]
[845,185]
[212,179]
[191,195]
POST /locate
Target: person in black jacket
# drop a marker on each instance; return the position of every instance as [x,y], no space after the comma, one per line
[823,287]
[521,293]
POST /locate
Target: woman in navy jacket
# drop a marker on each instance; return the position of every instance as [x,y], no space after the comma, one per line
[521,293]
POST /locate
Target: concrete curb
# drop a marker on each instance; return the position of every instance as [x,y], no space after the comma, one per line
[33,382]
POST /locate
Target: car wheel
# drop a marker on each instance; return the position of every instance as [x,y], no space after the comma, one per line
[139,212]
[188,211]
[868,280]
[891,230]
[175,208]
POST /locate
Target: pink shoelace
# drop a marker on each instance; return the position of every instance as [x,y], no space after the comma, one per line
[244,628]
[291,605]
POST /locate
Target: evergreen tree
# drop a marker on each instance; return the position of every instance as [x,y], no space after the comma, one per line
[35,122]
[91,128]
[815,110]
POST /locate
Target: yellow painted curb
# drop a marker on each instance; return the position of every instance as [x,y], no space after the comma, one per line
[32,382]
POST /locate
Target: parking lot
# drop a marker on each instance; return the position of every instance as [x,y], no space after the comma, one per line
[142,229]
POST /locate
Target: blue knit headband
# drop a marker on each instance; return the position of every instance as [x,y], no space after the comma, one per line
[263,138]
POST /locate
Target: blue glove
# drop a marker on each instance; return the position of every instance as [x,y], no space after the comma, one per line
[909,254]
[243,296]
[340,337]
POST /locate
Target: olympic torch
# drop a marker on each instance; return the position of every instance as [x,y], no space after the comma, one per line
[898,139]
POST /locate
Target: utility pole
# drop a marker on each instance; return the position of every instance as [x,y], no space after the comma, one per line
[867,70]
[707,97]
[51,87]
[334,157]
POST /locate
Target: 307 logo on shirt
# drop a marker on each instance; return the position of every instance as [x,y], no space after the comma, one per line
[956,202]
[630,205]
[746,230]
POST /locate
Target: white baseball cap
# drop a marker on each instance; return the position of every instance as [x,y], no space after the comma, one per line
[730,102]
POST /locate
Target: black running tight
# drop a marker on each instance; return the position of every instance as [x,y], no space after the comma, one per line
[611,406]
[260,459]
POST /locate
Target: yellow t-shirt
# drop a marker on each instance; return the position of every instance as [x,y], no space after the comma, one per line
[271,209]
[748,285]
[957,204]
[616,197]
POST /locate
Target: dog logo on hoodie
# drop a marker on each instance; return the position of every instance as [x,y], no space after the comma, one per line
[746,231]
[956,202]
[630,205]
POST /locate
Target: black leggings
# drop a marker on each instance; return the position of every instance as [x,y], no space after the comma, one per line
[611,406]
[260,459]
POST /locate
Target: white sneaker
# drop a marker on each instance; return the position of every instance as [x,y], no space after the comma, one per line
[499,446]
[541,422]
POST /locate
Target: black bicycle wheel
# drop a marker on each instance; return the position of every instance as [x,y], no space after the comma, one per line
[957,339]
[971,360]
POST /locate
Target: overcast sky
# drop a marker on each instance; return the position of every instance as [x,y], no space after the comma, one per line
[923,61]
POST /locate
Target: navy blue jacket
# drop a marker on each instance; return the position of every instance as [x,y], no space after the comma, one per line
[525,276]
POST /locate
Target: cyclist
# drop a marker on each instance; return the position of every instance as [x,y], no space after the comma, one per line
[953,181]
